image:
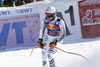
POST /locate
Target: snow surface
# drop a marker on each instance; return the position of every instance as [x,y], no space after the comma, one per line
[20,56]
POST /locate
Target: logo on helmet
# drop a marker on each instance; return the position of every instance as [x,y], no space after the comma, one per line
[48,9]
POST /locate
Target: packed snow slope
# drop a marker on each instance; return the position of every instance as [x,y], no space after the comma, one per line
[20,56]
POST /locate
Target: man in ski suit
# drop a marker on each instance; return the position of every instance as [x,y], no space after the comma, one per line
[55,28]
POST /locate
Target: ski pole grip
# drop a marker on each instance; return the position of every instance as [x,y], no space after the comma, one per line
[40,40]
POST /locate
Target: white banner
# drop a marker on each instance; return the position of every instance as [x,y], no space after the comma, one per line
[19,27]
[68,11]
[17,11]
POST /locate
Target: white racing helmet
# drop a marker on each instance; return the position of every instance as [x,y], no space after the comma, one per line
[51,10]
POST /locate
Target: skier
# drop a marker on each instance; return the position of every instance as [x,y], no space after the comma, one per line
[55,28]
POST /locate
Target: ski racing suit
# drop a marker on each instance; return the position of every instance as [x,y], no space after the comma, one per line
[49,32]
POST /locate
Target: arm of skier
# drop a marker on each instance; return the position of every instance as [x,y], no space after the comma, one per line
[62,31]
[42,29]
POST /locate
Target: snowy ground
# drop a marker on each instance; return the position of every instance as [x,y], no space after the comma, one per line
[20,56]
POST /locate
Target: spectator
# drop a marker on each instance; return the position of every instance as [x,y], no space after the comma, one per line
[13,4]
[18,3]
[5,4]
[22,2]
[1,2]
[26,1]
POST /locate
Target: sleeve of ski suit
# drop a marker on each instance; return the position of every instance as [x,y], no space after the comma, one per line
[42,29]
[62,30]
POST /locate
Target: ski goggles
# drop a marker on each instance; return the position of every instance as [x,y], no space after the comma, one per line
[48,15]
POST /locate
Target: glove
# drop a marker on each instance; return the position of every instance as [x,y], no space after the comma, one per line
[53,44]
[40,44]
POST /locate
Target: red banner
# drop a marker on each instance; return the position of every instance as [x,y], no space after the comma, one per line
[89,12]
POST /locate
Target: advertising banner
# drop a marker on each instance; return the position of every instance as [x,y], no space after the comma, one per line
[20,26]
[19,30]
[89,11]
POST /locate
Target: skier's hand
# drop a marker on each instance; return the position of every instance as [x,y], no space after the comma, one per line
[40,45]
[52,45]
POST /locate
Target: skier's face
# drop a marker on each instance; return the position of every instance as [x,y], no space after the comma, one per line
[49,16]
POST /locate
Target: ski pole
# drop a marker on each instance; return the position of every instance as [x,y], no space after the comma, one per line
[31,51]
[71,53]
[35,47]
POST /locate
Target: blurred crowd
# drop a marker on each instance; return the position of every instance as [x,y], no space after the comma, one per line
[14,3]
